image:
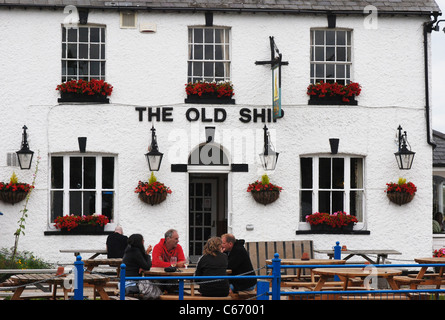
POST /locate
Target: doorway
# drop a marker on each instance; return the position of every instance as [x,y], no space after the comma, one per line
[207,210]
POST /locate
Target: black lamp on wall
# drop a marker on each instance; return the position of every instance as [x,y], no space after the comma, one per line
[269,157]
[154,157]
[24,155]
[404,156]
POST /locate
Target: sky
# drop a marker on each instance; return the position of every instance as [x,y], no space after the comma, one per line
[438,73]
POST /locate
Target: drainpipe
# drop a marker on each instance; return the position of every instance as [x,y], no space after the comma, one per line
[428,28]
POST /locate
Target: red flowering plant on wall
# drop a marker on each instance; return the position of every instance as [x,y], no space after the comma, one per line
[326,89]
[152,187]
[72,221]
[336,220]
[82,87]
[221,89]
[263,185]
[401,187]
[439,253]
[14,186]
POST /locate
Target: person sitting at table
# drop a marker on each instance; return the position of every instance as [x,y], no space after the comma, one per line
[213,263]
[239,262]
[136,260]
[438,224]
[166,248]
[116,243]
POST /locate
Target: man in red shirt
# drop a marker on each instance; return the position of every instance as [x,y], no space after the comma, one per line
[166,248]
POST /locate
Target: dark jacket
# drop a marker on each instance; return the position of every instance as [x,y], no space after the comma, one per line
[209,265]
[239,263]
[116,245]
[134,259]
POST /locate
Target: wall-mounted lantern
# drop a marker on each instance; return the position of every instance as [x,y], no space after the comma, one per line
[154,157]
[269,157]
[24,154]
[404,156]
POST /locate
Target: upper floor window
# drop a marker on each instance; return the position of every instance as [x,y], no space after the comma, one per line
[83,53]
[331,57]
[208,54]
[331,184]
[82,185]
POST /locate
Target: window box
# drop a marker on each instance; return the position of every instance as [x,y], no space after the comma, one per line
[323,228]
[209,98]
[84,229]
[334,100]
[74,97]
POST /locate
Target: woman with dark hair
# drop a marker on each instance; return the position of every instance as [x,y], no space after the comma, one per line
[136,260]
[213,263]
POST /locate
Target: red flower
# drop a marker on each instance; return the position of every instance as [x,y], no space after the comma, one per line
[151,188]
[72,221]
[222,89]
[335,220]
[86,87]
[323,89]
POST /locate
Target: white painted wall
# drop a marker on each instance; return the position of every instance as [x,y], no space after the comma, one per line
[150,70]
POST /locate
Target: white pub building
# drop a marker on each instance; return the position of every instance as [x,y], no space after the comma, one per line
[270,51]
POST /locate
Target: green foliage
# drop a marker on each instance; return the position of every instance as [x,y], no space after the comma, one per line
[265,179]
[152,178]
[14,178]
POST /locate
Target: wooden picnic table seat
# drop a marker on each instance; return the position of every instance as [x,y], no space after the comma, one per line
[194,297]
[376,296]
[406,280]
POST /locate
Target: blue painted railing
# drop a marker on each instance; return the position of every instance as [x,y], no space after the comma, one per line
[274,278]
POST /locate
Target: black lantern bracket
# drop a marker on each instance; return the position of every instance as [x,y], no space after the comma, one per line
[269,157]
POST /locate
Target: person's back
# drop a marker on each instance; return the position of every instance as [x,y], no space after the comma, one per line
[116,244]
[239,262]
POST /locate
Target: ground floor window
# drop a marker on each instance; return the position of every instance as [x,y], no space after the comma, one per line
[330,184]
[82,185]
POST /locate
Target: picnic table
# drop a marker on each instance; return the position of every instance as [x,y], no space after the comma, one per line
[90,264]
[422,278]
[77,252]
[20,281]
[381,254]
[347,273]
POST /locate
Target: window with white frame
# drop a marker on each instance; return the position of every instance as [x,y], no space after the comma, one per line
[82,185]
[83,53]
[331,184]
[331,55]
[208,54]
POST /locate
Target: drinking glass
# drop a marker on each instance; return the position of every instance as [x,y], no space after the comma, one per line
[173,261]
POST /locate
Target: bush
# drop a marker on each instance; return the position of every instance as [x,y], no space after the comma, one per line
[23,260]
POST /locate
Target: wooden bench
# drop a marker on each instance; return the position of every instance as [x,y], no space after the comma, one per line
[406,280]
[259,252]
[377,296]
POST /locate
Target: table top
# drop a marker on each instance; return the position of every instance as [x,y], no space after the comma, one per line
[430,260]
[103,251]
[159,271]
[308,262]
[361,251]
[114,262]
[34,277]
[357,272]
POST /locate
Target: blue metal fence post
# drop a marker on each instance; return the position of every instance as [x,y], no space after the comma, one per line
[78,278]
[181,289]
[276,273]
[337,251]
[337,256]
[122,282]
[262,288]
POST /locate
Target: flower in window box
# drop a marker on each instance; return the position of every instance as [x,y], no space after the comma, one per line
[263,191]
[439,253]
[152,192]
[401,192]
[71,222]
[339,220]
[14,191]
[84,91]
[333,93]
[209,92]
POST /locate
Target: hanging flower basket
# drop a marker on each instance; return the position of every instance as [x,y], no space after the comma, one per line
[265,197]
[152,192]
[155,198]
[263,191]
[14,191]
[400,193]
[12,196]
